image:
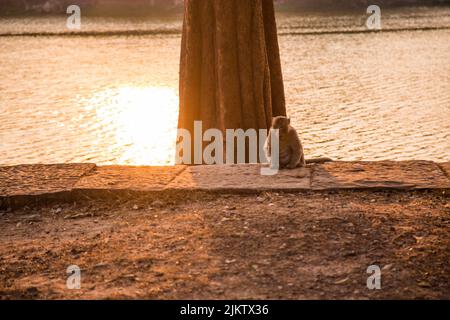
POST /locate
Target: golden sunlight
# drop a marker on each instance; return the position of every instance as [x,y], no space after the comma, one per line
[142,121]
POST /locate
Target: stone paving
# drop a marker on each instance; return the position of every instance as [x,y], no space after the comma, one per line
[41,181]
[28,180]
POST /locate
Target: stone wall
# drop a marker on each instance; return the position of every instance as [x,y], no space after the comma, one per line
[24,184]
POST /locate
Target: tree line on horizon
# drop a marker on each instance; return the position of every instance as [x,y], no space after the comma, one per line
[105,6]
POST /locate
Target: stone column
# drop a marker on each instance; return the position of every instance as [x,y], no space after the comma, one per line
[230,72]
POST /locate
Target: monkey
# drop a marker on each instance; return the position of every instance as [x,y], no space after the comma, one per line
[291,153]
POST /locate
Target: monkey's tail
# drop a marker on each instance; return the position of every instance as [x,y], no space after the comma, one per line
[319,160]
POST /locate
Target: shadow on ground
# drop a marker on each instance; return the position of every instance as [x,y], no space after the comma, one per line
[262,246]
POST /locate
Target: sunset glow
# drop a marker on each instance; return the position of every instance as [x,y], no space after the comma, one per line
[144,122]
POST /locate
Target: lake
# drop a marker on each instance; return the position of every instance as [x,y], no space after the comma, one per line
[111,98]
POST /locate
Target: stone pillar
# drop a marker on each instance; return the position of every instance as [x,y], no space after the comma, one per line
[230,72]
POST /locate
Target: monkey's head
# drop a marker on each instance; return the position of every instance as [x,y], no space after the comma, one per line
[282,123]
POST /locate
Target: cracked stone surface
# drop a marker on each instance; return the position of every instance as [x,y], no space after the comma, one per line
[39,179]
[240,177]
[129,178]
[445,166]
[380,174]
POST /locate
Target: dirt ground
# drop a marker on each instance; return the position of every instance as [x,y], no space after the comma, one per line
[205,246]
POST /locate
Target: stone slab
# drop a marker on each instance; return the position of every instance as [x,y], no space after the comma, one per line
[445,166]
[40,179]
[240,177]
[379,174]
[128,178]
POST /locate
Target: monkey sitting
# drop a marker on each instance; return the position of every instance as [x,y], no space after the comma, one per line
[291,153]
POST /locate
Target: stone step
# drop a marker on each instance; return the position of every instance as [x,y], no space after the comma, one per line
[40,180]
[379,175]
[129,178]
[244,177]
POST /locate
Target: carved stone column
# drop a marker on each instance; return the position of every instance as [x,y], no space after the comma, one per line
[230,72]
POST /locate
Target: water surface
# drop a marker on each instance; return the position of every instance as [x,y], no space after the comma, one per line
[112,99]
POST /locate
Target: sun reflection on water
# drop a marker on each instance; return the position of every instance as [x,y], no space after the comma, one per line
[139,124]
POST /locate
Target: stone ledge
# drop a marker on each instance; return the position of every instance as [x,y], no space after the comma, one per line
[38,179]
[128,178]
[31,181]
[445,166]
[240,177]
[380,175]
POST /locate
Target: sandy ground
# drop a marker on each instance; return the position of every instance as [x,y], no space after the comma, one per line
[203,246]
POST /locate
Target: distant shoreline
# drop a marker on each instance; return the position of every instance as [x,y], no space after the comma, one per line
[178,32]
[145,11]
